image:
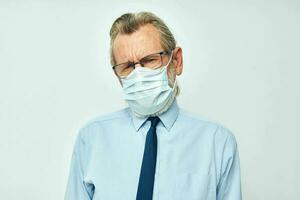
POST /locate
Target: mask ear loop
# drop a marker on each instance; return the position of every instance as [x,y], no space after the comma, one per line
[175,82]
[170,58]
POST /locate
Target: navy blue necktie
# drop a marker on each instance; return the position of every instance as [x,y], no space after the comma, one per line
[146,181]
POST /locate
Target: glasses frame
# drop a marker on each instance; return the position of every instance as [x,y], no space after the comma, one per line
[132,64]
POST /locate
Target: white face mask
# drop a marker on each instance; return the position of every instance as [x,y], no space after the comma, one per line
[147,90]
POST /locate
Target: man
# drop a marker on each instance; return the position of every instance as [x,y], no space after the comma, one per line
[152,149]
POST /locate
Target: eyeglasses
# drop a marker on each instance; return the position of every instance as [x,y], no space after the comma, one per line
[151,61]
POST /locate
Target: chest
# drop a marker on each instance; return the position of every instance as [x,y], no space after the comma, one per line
[184,170]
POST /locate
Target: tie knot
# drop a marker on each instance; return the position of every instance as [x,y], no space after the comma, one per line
[154,121]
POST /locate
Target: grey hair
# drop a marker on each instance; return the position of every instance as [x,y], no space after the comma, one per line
[130,22]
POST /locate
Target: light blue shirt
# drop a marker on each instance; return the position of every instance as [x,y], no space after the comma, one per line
[197,159]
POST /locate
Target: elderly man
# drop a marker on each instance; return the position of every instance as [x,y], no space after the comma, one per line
[152,149]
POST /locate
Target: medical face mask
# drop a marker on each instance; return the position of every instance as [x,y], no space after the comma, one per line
[147,90]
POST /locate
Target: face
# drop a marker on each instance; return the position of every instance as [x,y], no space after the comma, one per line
[141,43]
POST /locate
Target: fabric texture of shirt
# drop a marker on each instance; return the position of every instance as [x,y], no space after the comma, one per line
[197,159]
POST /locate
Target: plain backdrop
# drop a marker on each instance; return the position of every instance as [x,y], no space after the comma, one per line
[241,68]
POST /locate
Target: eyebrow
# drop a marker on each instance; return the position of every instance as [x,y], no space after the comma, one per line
[128,61]
[140,58]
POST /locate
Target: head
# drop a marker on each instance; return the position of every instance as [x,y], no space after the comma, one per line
[135,35]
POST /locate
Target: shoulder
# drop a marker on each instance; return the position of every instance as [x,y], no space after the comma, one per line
[96,124]
[106,118]
[215,129]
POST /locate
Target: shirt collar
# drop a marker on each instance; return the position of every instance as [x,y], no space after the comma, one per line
[167,118]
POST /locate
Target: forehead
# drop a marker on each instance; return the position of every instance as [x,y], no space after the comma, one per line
[134,46]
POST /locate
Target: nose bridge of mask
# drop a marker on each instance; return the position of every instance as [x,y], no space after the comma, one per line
[143,70]
[145,75]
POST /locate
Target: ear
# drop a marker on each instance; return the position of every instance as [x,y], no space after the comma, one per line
[178,60]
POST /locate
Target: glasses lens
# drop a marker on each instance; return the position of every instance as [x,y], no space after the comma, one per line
[151,61]
[123,69]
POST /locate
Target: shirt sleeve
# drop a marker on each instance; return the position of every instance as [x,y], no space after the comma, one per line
[77,188]
[229,186]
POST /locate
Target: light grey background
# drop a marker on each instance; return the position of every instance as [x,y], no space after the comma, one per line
[241,68]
